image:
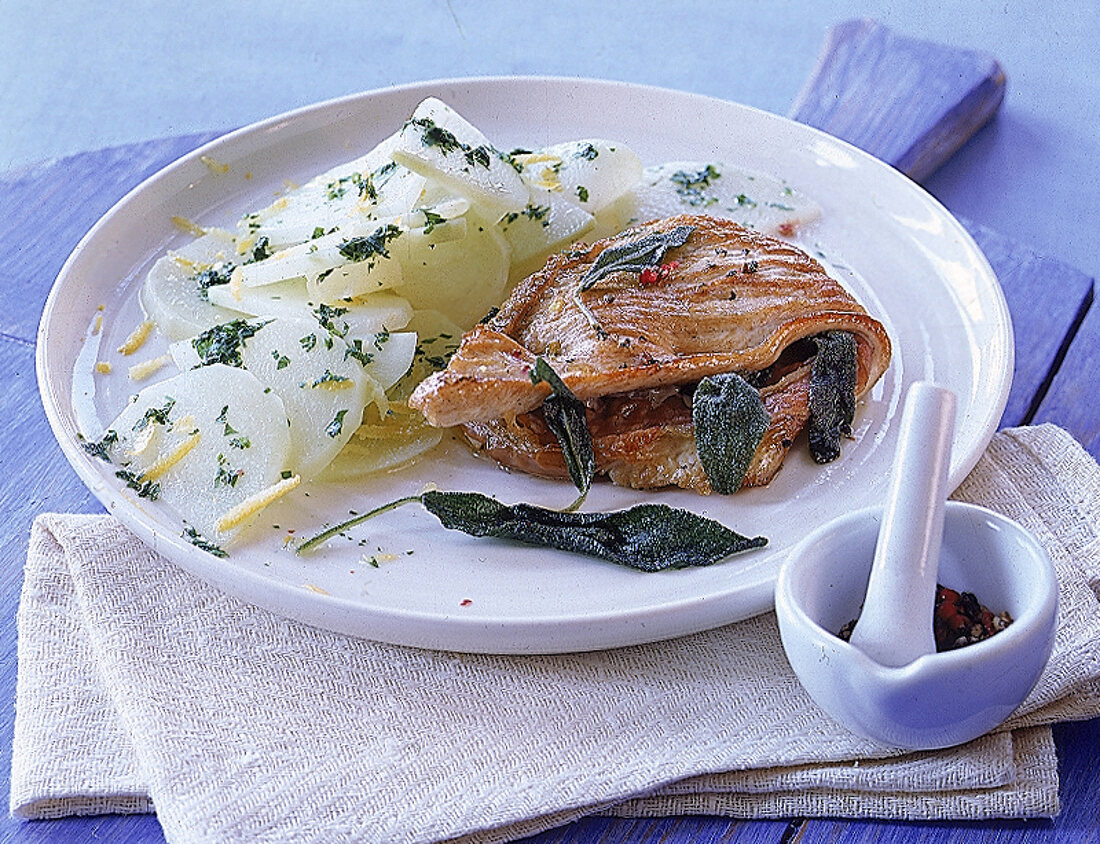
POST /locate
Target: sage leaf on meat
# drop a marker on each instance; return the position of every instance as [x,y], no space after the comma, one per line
[730,419]
[632,257]
[636,255]
[649,537]
[565,416]
[832,394]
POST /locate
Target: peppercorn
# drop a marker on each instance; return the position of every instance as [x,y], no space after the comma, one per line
[958,619]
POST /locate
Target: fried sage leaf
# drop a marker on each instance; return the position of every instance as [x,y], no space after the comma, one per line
[729,420]
[635,256]
[832,394]
[565,416]
[649,537]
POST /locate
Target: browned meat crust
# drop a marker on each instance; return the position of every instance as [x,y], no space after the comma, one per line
[733,300]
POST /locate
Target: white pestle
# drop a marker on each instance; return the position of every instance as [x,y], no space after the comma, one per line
[895,623]
[889,683]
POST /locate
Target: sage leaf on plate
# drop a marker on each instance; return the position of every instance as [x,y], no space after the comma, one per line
[730,419]
[832,394]
[636,255]
[649,537]
[565,416]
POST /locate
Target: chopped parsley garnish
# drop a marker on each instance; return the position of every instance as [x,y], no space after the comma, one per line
[534,213]
[100,447]
[213,276]
[261,250]
[582,193]
[336,189]
[371,246]
[226,476]
[367,190]
[436,358]
[329,377]
[690,185]
[355,350]
[157,415]
[431,220]
[241,442]
[383,173]
[196,539]
[434,135]
[326,317]
[478,155]
[336,426]
[144,489]
[327,313]
[587,152]
[281,360]
[223,343]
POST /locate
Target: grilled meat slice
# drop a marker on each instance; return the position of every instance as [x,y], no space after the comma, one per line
[634,345]
[644,440]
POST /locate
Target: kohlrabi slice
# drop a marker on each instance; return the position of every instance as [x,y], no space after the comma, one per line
[755,200]
[444,147]
[463,278]
[175,294]
[212,443]
[548,223]
[592,174]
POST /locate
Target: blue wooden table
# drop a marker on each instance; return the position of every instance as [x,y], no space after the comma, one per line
[47,207]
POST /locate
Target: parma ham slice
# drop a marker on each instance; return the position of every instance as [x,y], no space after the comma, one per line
[632,324]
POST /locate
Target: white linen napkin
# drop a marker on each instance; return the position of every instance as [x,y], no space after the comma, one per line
[140,687]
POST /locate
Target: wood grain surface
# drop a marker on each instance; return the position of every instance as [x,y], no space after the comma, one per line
[910,102]
[1074,392]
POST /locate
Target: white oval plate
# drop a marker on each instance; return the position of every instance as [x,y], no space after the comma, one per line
[903,256]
